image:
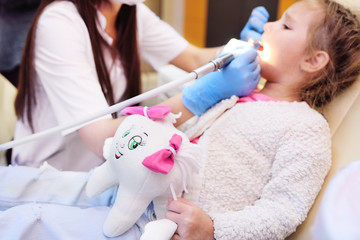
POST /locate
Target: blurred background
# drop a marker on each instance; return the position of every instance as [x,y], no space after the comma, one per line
[208,23]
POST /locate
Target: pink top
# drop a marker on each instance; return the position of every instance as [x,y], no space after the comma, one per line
[254,97]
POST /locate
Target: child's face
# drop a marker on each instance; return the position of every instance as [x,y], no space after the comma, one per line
[286,41]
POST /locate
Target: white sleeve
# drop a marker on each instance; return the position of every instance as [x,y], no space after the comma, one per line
[159,43]
[299,169]
[64,63]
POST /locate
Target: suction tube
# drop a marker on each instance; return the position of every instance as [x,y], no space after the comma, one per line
[213,65]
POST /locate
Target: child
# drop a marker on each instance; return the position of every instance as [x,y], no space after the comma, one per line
[268,155]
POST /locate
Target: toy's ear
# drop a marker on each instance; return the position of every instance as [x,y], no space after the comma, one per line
[107,147]
[315,62]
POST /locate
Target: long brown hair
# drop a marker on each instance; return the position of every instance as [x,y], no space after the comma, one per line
[125,47]
[338,34]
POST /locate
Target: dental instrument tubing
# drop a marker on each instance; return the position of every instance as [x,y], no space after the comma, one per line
[213,65]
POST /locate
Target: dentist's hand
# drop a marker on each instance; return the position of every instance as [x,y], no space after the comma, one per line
[235,47]
[240,77]
[254,28]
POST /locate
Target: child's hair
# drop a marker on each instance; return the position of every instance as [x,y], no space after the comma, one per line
[338,34]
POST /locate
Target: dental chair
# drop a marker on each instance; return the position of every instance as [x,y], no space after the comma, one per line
[7,113]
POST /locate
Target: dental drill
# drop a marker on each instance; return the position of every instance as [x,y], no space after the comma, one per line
[214,65]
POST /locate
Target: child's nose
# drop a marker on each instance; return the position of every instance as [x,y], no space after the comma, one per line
[267,27]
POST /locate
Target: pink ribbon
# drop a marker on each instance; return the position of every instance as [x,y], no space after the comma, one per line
[163,160]
[151,112]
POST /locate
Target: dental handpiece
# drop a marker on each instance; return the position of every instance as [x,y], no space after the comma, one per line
[72,126]
[224,59]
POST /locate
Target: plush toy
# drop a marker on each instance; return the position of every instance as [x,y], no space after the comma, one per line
[149,160]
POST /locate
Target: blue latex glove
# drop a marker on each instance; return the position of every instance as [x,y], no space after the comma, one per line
[239,78]
[254,28]
[236,47]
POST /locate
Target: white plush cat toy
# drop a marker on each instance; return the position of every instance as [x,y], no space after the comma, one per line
[149,160]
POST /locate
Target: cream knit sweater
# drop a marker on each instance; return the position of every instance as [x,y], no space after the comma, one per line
[265,164]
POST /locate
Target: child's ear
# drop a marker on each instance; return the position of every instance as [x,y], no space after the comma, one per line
[315,62]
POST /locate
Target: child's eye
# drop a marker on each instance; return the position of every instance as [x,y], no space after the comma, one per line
[126,133]
[286,27]
[134,142]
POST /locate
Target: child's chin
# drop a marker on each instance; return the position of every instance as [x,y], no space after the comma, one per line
[264,65]
[266,70]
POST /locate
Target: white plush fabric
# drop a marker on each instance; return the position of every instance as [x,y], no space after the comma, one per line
[136,139]
[265,163]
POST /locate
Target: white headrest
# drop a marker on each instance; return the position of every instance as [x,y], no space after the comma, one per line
[353,5]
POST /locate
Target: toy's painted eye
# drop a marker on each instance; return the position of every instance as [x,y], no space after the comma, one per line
[125,134]
[134,142]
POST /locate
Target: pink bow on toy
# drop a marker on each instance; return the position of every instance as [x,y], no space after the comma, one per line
[162,161]
[149,112]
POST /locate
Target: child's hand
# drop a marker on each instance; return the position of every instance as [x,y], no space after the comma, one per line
[193,223]
[254,28]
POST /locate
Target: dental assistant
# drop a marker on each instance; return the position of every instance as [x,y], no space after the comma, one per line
[83,56]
